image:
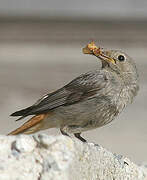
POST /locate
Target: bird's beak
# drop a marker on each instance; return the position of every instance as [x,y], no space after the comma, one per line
[92,49]
[105,56]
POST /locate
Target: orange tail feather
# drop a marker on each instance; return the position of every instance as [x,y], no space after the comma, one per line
[31,126]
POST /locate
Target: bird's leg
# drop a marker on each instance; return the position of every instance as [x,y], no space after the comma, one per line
[77,135]
[64,133]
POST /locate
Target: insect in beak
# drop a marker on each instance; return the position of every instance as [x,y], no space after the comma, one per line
[92,49]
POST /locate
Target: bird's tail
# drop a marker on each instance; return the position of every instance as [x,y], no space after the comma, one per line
[33,125]
[23,113]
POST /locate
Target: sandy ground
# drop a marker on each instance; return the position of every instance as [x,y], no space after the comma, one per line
[37,58]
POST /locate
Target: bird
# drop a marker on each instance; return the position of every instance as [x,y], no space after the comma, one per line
[92,100]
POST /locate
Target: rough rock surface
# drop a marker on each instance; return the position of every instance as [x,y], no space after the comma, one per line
[42,157]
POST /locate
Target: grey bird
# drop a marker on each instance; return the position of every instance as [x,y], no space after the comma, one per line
[90,101]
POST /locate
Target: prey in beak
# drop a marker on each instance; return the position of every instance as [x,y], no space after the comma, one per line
[92,49]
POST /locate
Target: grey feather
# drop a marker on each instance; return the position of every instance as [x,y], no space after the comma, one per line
[81,88]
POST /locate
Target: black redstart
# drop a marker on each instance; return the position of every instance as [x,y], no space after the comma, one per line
[91,100]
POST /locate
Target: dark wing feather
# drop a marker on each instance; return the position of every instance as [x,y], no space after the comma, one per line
[85,86]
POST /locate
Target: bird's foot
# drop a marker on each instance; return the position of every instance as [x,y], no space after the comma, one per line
[64,133]
[78,135]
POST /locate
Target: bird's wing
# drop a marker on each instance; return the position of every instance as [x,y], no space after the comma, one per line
[84,87]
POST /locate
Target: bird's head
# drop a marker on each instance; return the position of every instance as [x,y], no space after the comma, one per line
[114,60]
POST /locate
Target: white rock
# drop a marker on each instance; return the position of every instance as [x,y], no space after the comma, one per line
[42,157]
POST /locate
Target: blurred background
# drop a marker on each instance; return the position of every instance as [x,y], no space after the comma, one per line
[40,51]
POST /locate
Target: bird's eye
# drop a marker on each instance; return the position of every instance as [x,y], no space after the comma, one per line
[121,58]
